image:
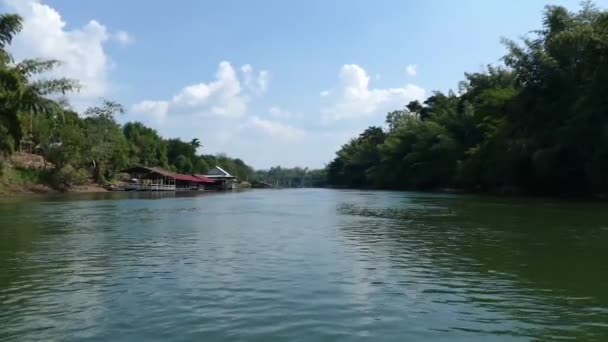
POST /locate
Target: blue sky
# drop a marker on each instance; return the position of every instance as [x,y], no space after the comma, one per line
[271,82]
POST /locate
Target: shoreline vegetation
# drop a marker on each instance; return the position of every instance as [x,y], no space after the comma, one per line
[46,146]
[535,125]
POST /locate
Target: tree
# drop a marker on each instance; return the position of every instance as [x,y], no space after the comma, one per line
[414,107]
[196,143]
[296,177]
[420,155]
[66,146]
[560,118]
[146,146]
[21,98]
[107,147]
[181,155]
[537,123]
[356,161]
[93,144]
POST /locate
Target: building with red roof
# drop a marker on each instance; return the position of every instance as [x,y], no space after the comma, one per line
[157,179]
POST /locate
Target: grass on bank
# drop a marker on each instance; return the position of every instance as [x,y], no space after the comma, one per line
[19,179]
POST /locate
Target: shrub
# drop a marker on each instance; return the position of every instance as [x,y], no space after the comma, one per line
[67,177]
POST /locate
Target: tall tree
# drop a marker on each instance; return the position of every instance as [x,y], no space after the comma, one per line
[21,97]
[107,147]
[146,146]
[537,123]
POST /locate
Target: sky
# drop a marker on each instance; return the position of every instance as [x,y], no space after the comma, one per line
[271,82]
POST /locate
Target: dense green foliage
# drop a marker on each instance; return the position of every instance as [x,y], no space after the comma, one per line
[92,145]
[539,123]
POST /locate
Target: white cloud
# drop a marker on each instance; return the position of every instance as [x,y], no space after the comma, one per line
[215,111]
[277,112]
[263,80]
[277,129]
[123,37]
[411,69]
[157,109]
[259,83]
[247,69]
[354,98]
[222,97]
[81,49]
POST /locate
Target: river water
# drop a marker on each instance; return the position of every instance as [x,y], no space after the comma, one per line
[302,265]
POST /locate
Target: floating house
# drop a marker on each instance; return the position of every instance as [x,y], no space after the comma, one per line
[157,179]
[222,180]
[190,182]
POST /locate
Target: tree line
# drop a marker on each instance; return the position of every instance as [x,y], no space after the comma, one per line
[537,123]
[296,177]
[35,117]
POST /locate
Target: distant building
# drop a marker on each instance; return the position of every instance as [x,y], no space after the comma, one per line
[157,179]
[221,178]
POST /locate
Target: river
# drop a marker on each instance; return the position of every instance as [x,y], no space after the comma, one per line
[302,265]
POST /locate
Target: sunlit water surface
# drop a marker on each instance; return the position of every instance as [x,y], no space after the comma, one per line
[302,265]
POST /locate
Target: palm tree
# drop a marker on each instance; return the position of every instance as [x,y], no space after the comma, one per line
[22,98]
[196,143]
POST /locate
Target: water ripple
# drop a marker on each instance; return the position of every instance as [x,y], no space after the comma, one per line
[305,265]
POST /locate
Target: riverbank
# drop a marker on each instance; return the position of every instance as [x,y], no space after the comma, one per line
[30,174]
[505,192]
[11,186]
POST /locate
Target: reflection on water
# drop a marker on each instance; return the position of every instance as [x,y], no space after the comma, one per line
[305,265]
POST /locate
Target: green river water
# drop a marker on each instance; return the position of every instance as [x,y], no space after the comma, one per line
[302,265]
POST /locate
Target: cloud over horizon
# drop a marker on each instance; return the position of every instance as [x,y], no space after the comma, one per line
[218,112]
[223,97]
[354,98]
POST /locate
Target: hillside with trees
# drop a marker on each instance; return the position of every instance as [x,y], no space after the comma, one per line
[537,124]
[83,147]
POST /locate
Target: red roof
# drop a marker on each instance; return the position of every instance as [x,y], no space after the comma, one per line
[204,179]
[177,176]
[188,178]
